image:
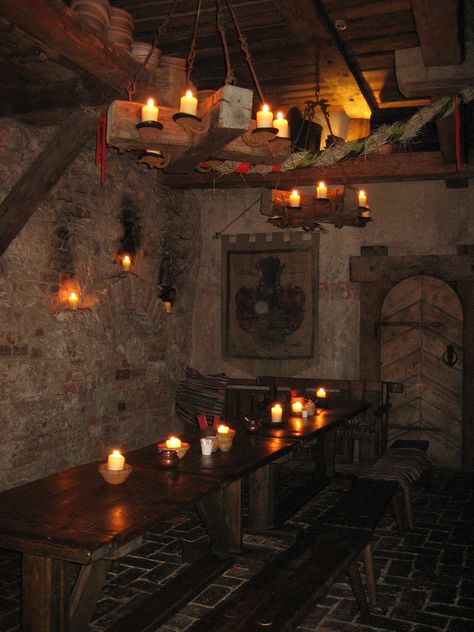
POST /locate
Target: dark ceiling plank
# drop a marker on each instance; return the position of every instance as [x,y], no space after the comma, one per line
[309,25]
[45,170]
[374,168]
[438,28]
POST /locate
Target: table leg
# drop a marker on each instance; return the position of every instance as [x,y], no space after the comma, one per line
[86,591]
[232,497]
[45,598]
[262,498]
[211,510]
[324,454]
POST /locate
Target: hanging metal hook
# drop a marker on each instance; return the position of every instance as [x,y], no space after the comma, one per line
[450,357]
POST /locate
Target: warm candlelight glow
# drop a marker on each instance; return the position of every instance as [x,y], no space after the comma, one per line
[321,191]
[115,461]
[126,263]
[295,199]
[297,408]
[150,111]
[362,198]
[276,413]
[222,429]
[321,393]
[188,104]
[73,299]
[173,442]
[167,305]
[281,125]
[265,117]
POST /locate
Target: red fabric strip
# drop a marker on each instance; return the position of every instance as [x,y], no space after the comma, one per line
[243,167]
[104,149]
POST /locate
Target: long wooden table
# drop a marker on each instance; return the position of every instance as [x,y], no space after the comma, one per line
[76,517]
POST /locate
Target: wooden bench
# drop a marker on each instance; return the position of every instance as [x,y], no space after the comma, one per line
[286,589]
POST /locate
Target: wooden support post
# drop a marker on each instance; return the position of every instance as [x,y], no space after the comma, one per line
[261,498]
[438,28]
[45,600]
[211,511]
[45,170]
[89,584]
[232,498]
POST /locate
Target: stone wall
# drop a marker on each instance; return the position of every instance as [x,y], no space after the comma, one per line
[410,218]
[74,384]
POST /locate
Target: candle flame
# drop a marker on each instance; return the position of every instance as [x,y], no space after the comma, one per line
[223,429]
[151,103]
[189,93]
[265,108]
[321,392]
[294,192]
[73,296]
[280,116]
[116,453]
[277,408]
[361,192]
[321,184]
[173,442]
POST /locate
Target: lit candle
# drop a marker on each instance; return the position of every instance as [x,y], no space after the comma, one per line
[321,393]
[73,300]
[126,263]
[265,117]
[362,198]
[321,191]
[276,413]
[297,408]
[173,442]
[115,461]
[149,111]
[188,104]
[281,125]
[294,199]
[222,429]
[167,305]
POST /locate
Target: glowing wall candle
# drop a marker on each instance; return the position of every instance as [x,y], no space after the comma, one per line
[281,125]
[126,263]
[321,191]
[115,461]
[321,393]
[188,103]
[362,198]
[276,413]
[295,199]
[265,117]
[150,111]
[73,299]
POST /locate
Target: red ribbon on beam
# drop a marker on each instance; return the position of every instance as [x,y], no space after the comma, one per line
[101,146]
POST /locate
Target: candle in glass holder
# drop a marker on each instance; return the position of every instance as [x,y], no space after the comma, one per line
[295,199]
[276,413]
[73,299]
[297,408]
[265,117]
[173,442]
[321,191]
[126,263]
[321,393]
[188,104]
[149,111]
[115,461]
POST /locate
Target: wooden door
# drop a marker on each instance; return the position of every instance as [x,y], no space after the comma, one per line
[421,317]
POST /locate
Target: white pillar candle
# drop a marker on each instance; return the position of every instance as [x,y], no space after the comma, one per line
[297,408]
[276,413]
[265,117]
[188,103]
[115,461]
[321,191]
[362,198]
[173,442]
[295,199]
[150,111]
[281,125]
[73,299]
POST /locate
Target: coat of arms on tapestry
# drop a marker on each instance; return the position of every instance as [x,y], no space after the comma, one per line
[269,295]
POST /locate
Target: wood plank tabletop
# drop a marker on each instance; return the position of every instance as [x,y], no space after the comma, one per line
[294,427]
[76,516]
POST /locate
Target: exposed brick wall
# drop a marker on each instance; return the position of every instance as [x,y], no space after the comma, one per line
[75,384]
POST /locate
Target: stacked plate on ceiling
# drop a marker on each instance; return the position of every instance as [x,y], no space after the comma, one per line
[120,32]
[140,51]
[94,15]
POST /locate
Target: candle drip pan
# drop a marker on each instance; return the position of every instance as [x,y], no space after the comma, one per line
[115,477]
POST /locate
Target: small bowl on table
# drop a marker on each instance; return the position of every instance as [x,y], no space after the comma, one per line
[179,451]
[252,425]
[168,458]
[115,477]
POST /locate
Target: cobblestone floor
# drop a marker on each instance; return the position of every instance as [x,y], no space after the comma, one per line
[425,579]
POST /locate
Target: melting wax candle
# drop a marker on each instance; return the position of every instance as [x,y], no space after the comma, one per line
[362,198]
[297,408]
[222,429]
[295,199]
[150,111]
[173,442]
[126,263]
[321,191]
[276,413]
[188,103]
[281,125]
[73,299]
[115,461]
[265,117]
[321,393]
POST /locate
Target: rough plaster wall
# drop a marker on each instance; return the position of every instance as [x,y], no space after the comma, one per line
[75,384]
[410,218]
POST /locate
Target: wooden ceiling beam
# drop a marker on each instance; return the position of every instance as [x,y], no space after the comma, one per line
[438,27]
[374,168]
[310,27]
